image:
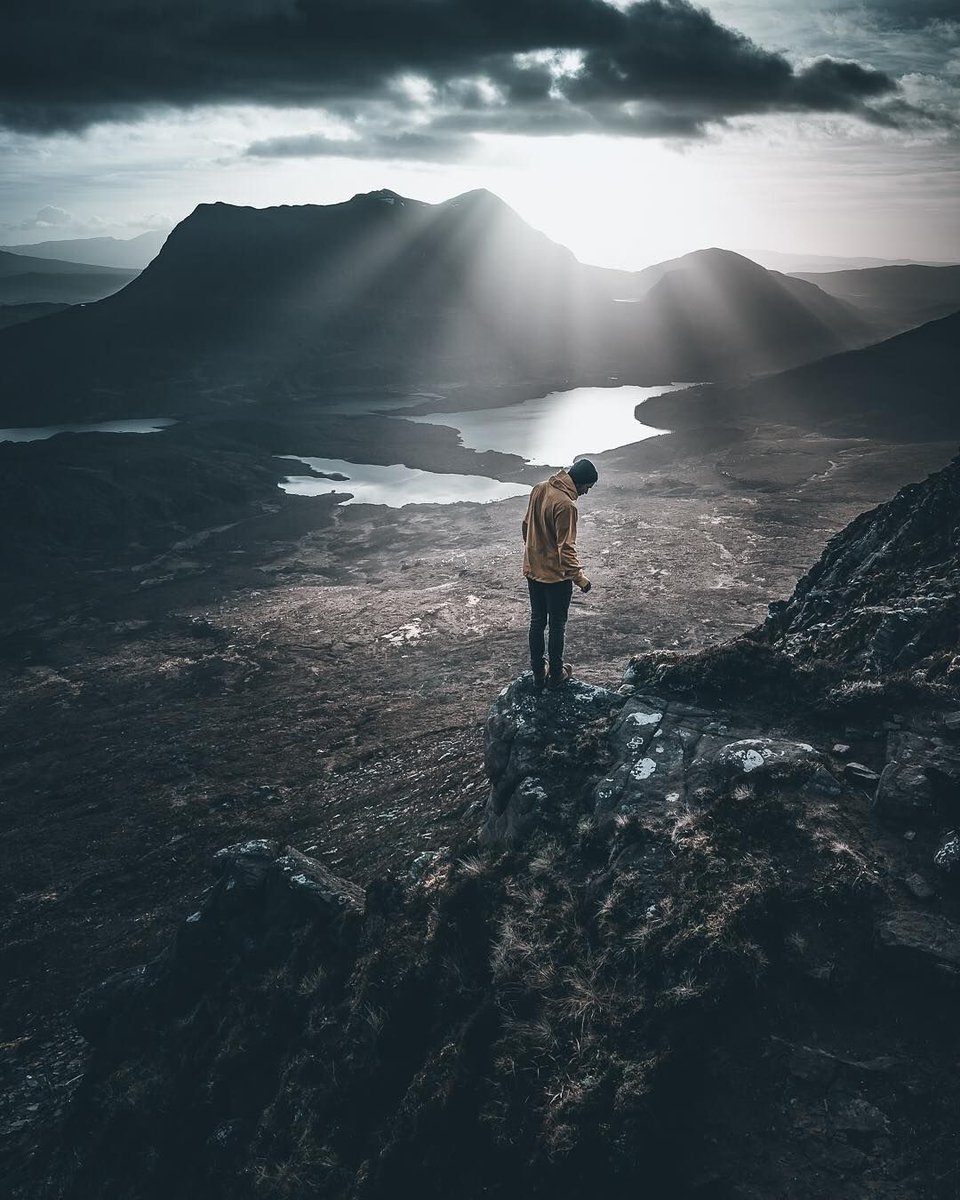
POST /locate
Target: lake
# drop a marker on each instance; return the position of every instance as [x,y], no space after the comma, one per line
[41,432]
[552,430]
[548,430]
[396,485]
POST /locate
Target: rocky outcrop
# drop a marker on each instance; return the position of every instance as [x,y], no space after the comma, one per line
[706,943]
[535,743]
[665,758]
[263,892]
[885,594]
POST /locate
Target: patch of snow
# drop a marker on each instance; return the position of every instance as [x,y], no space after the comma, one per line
[193,918]
[673,797]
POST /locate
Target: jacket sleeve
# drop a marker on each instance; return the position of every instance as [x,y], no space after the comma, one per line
[565,523]
[523,530]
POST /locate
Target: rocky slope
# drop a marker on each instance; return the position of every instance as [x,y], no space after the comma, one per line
[703,941]
[885,596]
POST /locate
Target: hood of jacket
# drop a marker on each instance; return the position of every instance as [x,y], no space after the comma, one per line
[563,481]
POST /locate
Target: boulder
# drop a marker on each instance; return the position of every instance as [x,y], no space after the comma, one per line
[904,796]
[263,891]
[245,864]
[921,940]
[299,884]
[777,759]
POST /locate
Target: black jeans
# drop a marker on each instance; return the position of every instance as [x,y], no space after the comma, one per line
[548,601]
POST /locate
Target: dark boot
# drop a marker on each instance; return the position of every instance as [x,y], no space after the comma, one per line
[557,677]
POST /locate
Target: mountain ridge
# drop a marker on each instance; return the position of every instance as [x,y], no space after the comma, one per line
[128,253]
[896,296]
[246,304]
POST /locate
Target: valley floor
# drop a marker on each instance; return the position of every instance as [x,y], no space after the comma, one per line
[321,675]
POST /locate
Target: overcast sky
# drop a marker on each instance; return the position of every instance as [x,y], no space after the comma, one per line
[629,132]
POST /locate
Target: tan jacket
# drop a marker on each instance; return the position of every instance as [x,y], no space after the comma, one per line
[550,533]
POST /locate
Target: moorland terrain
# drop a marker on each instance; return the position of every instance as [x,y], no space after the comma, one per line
[193,658]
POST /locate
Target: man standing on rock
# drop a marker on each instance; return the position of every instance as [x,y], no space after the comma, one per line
[552,567]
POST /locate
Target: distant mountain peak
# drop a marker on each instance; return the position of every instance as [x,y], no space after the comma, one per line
[478,198]
[384,195]
[715,256]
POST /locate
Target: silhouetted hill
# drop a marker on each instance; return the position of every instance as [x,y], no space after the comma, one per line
[726,309]
[13,265]
[798,264]
[131,253]
[268,304]
[905,386]
[27,280]
[895,296]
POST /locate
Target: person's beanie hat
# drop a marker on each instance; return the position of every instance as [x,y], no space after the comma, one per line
[583,473]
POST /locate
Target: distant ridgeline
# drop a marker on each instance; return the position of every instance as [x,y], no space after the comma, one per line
[273,304]
[904,387]
[28,280]
[705,944]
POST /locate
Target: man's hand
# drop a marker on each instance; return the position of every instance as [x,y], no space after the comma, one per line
[585,586]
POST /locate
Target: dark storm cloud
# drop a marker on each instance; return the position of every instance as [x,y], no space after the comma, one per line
[659,67]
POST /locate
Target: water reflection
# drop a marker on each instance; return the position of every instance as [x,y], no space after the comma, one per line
[40,433]
[552,429]
[395,485]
